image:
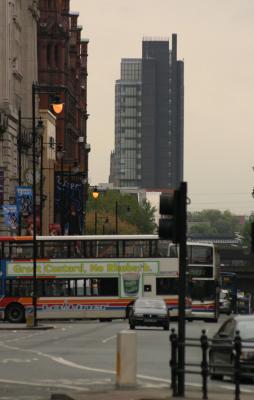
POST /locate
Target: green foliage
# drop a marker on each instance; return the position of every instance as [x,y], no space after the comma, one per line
[132,217]
[246,232]
[214,222]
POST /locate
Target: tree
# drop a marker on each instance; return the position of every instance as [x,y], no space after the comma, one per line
[246,232]
[132,217]
[214,223]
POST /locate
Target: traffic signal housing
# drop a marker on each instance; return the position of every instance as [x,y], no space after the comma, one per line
[169,223]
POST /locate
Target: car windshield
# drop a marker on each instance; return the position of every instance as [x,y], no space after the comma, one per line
[246,328]
[150,304]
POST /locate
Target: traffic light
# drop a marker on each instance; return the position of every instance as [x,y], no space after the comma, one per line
[252,237]
[169,223]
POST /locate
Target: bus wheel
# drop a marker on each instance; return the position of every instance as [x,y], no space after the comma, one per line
[15,313]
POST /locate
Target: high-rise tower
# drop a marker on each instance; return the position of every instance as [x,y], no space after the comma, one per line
[154,119]
[126,160]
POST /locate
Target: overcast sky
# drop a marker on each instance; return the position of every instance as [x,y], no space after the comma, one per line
[216,41]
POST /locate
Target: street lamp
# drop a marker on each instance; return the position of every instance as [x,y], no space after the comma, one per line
[36,89]
[95,195]
[57,105]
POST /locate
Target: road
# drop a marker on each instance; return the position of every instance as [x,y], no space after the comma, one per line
[79,356]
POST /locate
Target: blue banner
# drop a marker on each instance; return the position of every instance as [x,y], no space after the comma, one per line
[24,200]
[69,201]
[10,216]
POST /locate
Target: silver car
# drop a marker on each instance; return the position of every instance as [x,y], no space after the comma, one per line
[149,312]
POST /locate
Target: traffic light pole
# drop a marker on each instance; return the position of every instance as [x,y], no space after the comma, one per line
[182,287]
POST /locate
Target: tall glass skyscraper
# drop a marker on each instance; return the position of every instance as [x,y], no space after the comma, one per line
[149,115]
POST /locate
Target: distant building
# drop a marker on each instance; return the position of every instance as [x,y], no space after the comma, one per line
[126,159]
[149,108]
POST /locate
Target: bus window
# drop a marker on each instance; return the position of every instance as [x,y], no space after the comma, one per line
[108,286]
[173,253]
[79,287]
[200,255]
[101,287]
[56,288]
[202,290]
[166,286]
[19,287]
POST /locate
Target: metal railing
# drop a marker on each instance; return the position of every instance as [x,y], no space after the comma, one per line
[238,369]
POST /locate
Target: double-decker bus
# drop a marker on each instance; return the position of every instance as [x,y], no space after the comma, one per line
[95,277]
[202,279]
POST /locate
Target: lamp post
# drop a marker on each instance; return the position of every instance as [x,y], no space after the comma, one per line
[87,150]
[116,215]
[95,195]
[60,156]
[23,140]
[37,89]
[106,221]
[39,133]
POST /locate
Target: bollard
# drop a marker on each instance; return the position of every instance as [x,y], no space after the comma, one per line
[238,349]
[204,363]
[126,359]
[173,362]
[29,318]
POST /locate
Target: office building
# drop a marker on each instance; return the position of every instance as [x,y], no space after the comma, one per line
[149,116]
[126,159]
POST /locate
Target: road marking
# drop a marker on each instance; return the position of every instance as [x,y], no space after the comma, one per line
[108,339]
[78,389]
[17,360]
[71,364]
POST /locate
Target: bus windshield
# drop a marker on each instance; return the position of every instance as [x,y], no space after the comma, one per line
[202,290]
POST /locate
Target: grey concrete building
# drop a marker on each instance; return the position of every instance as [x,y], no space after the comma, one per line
[126,160]
[152,158]
[18,69]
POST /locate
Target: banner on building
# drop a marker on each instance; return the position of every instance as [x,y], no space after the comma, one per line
[24,200]
[69,201]
[1,188]
[10,215]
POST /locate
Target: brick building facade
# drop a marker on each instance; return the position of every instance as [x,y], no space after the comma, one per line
[62,66]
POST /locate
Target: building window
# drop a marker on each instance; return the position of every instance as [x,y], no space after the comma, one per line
[56,56]
[48,54]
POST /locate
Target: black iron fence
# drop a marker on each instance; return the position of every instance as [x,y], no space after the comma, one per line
[236,361]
